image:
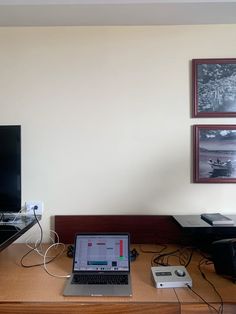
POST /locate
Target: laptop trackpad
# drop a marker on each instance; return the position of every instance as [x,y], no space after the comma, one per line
[100,290]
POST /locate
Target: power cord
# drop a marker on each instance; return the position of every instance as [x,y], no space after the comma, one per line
[152,251]
[39,249]
[33,248]
[36,248]
[45,262]
[185,256]
[218,311]
[208,262]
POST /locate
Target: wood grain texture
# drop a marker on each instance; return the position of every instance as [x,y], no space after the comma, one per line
[31,285]
[32,290]
[79,308]
[204,309]
[143,228]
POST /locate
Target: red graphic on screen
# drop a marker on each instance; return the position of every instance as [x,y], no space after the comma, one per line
[121,248]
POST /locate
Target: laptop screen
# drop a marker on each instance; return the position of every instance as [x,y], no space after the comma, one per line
[101,252]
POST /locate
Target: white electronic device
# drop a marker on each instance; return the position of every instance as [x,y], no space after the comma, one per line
[171,277]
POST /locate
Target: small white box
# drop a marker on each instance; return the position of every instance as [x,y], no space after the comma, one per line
[171,277]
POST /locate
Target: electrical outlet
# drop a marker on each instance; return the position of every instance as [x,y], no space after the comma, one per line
[34,206]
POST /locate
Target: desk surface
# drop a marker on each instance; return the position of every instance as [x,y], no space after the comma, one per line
[32,289]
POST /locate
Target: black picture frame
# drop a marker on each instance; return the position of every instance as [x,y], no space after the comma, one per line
[214,87]
[214,153]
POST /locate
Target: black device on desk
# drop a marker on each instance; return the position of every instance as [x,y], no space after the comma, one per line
[217,219]
[224,257]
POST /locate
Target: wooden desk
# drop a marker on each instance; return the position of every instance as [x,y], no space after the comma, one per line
[32,290]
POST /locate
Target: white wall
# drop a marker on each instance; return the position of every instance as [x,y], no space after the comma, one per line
[105,115]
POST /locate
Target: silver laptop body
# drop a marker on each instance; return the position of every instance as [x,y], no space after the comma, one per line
[101,265]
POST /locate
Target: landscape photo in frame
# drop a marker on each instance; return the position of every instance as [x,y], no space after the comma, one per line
[214,87]
[214,153]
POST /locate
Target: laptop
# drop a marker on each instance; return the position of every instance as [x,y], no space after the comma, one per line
[101,265]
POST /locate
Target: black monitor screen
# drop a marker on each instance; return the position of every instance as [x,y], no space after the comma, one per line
[10,168]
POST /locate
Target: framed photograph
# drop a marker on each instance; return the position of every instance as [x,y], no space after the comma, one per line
[214,153]
[214,87]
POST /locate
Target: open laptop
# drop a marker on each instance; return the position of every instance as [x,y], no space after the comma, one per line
[101,265]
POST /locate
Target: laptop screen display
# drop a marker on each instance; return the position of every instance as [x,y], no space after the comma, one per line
[101,253]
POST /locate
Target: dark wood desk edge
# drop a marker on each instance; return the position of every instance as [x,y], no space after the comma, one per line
[144,229]
[89,308]
[75,307]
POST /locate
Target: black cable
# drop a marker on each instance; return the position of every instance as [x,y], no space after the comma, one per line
[187,258]
[184,260]
[208,262]
[159,260]
[36,246]
[182,254]
[150,251]
[190,258]
[220,311]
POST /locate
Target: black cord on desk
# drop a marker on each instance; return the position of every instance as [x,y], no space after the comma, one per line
[208,262]
[184,256]
[36,246]
[152,251]
[219,311]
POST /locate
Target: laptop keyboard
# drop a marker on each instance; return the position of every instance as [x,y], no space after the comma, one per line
[100,279]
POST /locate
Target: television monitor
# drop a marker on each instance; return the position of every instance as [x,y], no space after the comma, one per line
[10,168]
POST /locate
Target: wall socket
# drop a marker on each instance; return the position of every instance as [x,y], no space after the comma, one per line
[34,206]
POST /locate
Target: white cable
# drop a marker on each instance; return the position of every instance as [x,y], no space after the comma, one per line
[15,215]
[45,257]
[57,237]
[38,247]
